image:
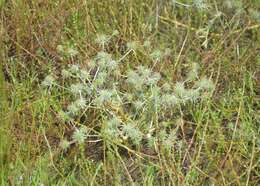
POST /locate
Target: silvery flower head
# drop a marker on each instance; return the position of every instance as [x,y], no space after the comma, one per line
[153,79]
[74,68]
[83,74]
[135,80]
[193,73]
[170,140]
[103,58]
[115,33]
[143,71]
[200,4]
[77,88]
[114,122]
[111,127]
[192,95]
[100,79]
[104,96]
[65,144]
[133,133]
[255,14]
[112,64]
[64,116]
[65,74]
[72,52]
[79,136]
[73,109]
[179,89]
[169,100]
[48,81]
[156,55]
[138,105]
[102,39]
[205,84]
[81,103]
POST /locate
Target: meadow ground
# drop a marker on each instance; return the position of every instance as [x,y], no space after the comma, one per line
[130,92]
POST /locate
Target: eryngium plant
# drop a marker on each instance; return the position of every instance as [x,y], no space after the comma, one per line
[129,107]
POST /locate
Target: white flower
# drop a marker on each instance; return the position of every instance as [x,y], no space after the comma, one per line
[192,94]
[111,127]
[200,4]
[115,33]
[100,79]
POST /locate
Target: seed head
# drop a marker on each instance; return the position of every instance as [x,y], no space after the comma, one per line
[77,88]
[156,55]
[133,133]
[79,136]
[81,103]
[102,39]
[205,84]
[65,74]
[48,81]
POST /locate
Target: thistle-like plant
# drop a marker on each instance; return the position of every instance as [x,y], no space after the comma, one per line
[79,136]
[65,144]
[137,96]
[133,133]
[205,84]
[77,88]
[48,81]
[156,55]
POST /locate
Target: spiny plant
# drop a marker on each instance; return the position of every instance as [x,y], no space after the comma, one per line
[132,105]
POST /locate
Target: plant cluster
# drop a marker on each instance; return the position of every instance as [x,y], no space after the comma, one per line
[132,105]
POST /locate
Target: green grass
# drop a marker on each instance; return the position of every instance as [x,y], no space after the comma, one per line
[213,141]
